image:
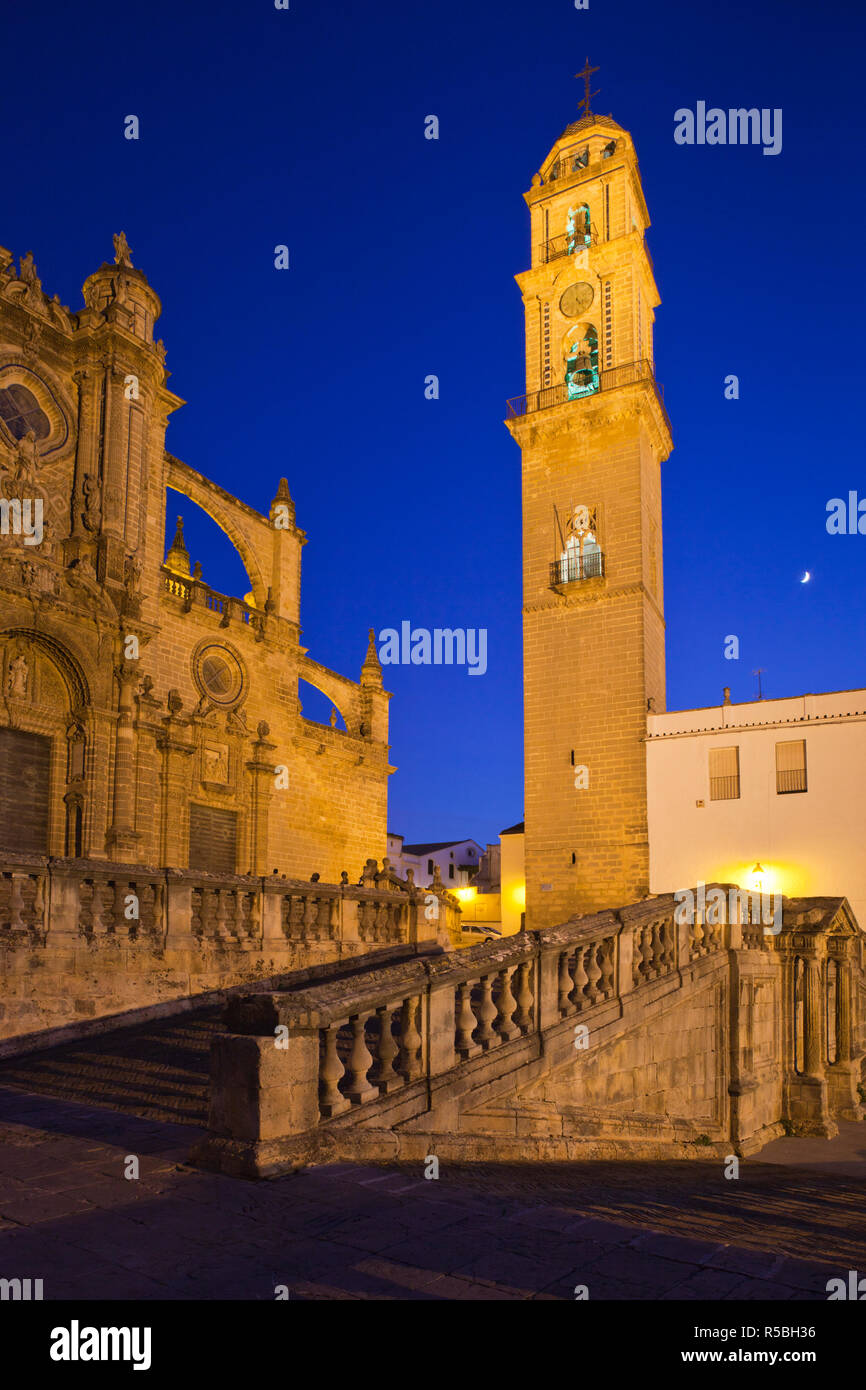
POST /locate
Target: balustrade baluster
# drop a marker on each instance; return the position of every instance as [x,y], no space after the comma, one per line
[39,906]
[331,1100]
[360,1062]
[311,916]
[605,960]
[593,971]
[581,979]
[523,1017]
[486,1013]
[565,984]
[506,1005]
[119,920]
[657,949]
[409,1064]
[386,1077]
[669,946]
[323,919]
[646,953]
[197,913]
[466,1020]
[17,923]
[696,934]
[96,923]
[221,931]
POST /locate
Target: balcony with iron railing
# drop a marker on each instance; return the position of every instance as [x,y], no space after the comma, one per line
[569,244]
[578,163]
[575,568]
[560,394]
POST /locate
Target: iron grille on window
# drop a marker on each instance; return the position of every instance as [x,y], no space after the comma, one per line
[724,788]
[791,779]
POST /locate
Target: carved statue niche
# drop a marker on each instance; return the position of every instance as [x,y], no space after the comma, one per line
[18,677]
[91,512]
[26,459]
[132,587]
[75,742]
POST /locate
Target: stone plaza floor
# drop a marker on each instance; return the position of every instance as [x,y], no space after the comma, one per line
[792,1220]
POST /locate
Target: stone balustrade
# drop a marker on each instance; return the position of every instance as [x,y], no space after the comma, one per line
[412,1044]
[117,937]
[44,899]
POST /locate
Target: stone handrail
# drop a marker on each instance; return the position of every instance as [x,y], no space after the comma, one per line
[46,902]
[349,1047]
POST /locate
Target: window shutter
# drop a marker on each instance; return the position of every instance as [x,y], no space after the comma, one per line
[791,766]
[724,774]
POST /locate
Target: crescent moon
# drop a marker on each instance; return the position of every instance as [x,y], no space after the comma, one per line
[806,577]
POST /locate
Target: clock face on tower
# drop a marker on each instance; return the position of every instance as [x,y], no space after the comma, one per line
[576,300]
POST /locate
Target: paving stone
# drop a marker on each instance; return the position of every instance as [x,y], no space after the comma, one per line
[704,1284]
[758,1289]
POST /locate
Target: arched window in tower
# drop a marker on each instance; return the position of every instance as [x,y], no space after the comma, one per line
[581,556]
[578,228]
[581,362]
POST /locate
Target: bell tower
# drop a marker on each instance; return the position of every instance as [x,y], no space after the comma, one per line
[593,432]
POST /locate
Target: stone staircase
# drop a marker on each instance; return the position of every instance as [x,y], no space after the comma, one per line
[645,1033]
[156,1071]
[159,1069]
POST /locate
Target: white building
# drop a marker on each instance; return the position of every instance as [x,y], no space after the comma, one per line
[771,793]
[458,860]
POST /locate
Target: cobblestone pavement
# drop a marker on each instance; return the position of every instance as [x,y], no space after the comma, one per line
[626,1231]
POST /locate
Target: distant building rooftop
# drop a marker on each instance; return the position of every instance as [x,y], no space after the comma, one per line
[440,844]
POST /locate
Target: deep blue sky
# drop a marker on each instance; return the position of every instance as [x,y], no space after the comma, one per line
[305,127]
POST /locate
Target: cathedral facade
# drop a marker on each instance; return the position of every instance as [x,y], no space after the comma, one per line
[146,718]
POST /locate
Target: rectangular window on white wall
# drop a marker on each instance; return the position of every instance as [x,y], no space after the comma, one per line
[724,774]
[791,766]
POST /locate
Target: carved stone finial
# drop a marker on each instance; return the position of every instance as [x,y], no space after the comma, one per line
[178,555]
[263,729]
[371,671]
[333,719]
[175,701]
[283,508]
[727,698]
[122,250]
[344,878]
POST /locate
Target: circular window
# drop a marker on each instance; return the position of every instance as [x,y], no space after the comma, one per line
[219,674]
[20,411]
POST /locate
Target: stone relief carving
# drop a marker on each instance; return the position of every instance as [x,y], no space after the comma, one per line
[18,678]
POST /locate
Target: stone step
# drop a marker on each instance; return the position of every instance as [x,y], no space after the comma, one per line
[157,1071]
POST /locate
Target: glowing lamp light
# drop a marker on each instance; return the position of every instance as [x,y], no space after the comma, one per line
[756,878]
[519,896]
[466,894]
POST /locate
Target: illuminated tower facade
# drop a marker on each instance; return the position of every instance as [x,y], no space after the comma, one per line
[593,433]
